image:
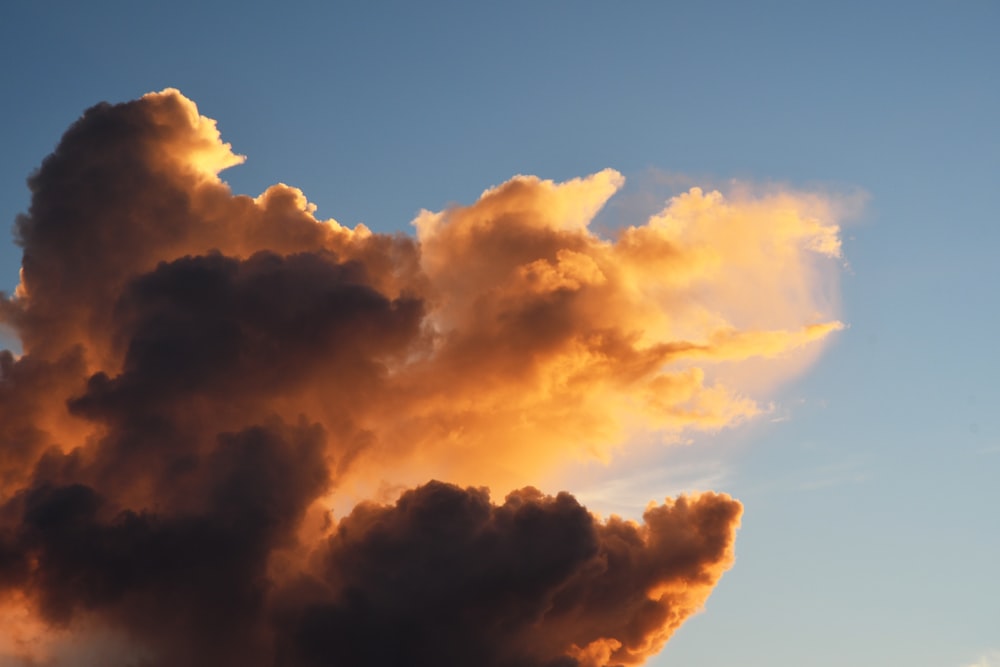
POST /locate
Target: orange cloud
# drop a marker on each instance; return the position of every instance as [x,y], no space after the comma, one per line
[206,374]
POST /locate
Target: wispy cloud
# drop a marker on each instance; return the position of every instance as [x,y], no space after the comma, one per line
[988,659]
[628,493]
[835,474]
[846,472]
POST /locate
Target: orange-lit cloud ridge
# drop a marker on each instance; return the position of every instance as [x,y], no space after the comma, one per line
[204,375]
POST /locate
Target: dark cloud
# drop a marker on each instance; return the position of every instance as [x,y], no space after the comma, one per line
[29,424]
[190,581]
[446,578]
[443,577]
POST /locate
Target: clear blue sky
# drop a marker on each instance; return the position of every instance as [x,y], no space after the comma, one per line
[871,533]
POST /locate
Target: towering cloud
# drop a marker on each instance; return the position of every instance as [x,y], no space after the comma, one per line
[205,375]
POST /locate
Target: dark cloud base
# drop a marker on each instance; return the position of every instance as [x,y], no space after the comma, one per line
[443,577]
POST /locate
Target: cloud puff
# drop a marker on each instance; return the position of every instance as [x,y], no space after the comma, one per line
[534,581]
[205,375]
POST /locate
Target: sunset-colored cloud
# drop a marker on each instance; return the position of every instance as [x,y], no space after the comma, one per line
[989,659]
[204,375]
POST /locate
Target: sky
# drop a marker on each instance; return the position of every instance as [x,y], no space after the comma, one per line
[867,463]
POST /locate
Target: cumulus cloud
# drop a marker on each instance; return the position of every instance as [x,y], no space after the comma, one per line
[534,581]
[204,375]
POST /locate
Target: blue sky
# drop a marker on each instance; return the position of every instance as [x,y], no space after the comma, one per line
[871,534]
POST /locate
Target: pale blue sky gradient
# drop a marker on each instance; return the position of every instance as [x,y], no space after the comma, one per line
[872,531]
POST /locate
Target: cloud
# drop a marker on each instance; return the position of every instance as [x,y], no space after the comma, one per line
[988,659]
[205,375]
[528,582]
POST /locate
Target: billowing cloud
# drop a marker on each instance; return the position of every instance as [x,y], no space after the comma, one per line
[204,375]
[535,581]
